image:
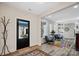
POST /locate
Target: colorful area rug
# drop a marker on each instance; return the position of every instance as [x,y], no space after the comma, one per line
[35,52]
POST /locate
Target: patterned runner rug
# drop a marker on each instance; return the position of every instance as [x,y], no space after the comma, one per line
[35,52]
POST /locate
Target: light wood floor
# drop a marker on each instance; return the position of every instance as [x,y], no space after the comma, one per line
[23,51]
[49,49]
[58,51]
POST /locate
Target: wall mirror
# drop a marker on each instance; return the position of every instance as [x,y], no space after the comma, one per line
[23,30]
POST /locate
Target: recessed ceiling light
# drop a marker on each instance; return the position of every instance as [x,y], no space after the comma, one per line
[76,6]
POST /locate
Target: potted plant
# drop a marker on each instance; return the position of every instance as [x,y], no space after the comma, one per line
[52,32]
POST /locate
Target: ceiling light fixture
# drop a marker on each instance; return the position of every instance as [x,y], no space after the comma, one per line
[76,6]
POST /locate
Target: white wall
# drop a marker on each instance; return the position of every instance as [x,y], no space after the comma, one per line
[12,14]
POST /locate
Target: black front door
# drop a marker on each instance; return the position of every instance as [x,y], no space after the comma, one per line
[23,29]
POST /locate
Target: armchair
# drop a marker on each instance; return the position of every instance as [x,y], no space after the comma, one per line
[47,39]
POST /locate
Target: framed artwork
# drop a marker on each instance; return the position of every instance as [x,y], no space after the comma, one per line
[66,29]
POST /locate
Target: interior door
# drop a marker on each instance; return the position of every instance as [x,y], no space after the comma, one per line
[23,30]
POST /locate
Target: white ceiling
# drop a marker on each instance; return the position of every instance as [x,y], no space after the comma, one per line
[70,13]
[34,7]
